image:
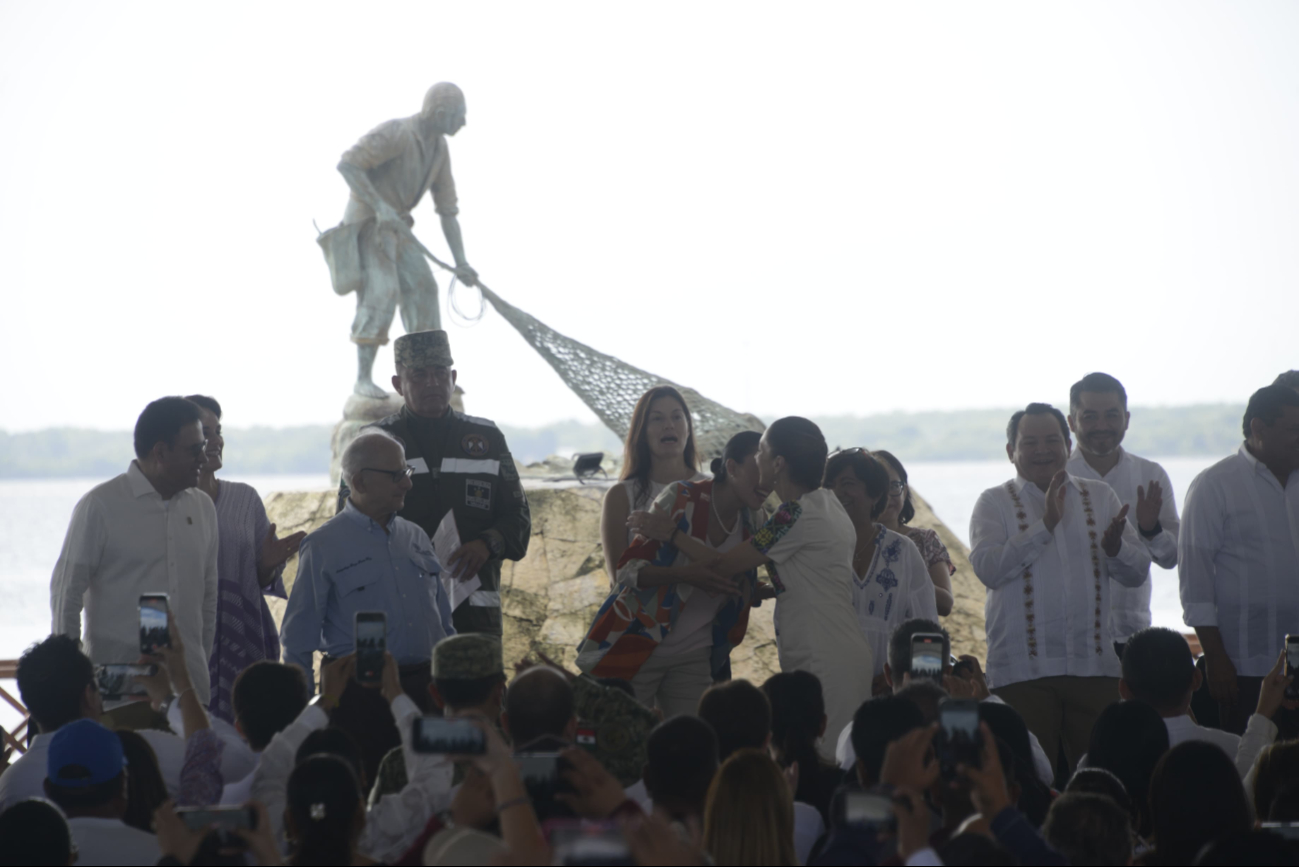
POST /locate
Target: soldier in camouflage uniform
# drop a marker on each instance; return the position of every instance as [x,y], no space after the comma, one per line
[461,464]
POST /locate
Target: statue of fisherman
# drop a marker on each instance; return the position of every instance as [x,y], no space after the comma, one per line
[372,252]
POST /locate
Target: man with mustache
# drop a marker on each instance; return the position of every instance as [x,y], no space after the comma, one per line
[1098,416]
[1046,544]
[148,530]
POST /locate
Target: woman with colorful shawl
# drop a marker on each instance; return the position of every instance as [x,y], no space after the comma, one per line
[670,633]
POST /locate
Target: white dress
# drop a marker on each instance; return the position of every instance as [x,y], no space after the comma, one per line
[895,588]
[810,542]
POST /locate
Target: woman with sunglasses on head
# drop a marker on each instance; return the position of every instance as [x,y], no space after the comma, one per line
[890,581]
[660,450]
[897,513]
[672,640]
[807,546]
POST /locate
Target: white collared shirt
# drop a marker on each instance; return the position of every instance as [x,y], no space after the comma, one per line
[1056,622]
[1130,606]
[1238,559]
[1242,750]
[125,540]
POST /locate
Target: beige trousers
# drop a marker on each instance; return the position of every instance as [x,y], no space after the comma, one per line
[1061,710]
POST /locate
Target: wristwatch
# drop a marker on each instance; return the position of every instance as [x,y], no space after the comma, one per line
[1153,533]
[494,544]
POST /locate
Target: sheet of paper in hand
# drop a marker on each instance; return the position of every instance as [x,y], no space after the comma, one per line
[446,539]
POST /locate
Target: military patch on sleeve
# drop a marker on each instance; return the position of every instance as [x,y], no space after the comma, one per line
[478,494]
[475,445]
[509,471]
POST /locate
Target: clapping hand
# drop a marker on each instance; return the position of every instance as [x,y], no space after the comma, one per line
[1150,500]
[1055,494]
[1112,541]
[276,552]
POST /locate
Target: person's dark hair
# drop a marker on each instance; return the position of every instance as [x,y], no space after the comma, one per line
[1284,806]
[1098,383]
[802,445]
[868,471]
[876,724]
[1128,739]
[538,704]
[1012,429]
[900,644]
[1276,765]
[1088,830]
[908,508]
[145,789]
[161,421]
[202,401]
[52,678]
[336,742]
[1158,667]
[81,798]
[680,760]
[1268,405]
[34,831]
[975,850]
[1098,781]
[266,697]
[1249,848]
[322,799]
[636,458]
[460,692]
[739,714]
[1010,729]
[925,694]
[1290,379]
[738,448]
[621,684]
[797,720]
[1195,797]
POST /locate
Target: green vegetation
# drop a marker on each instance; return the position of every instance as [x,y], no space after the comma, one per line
[967,435]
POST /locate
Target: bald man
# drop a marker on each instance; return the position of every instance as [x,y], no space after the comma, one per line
[366,558]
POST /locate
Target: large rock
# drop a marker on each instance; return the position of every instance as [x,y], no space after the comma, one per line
[549,597]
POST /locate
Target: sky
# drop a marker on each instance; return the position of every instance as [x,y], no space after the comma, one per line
[836,208]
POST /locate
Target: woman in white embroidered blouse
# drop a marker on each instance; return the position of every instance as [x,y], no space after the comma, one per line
[807,546]
[890,582]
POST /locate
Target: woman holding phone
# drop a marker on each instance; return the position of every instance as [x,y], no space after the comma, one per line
[807,546]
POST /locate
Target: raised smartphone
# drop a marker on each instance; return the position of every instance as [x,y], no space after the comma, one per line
[371,635]
[927,655]
[117,680]
[435,734]
[153,622]
[1292,666]
[958,738]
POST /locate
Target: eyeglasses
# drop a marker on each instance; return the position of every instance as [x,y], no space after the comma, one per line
[897,487]
[395,475]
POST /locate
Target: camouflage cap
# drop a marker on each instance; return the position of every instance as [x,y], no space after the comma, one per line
[468,656]
[423,349]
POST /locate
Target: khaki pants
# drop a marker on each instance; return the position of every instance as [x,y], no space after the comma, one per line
[674,683]
[1061,710]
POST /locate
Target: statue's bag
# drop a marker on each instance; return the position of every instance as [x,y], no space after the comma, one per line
[342,248]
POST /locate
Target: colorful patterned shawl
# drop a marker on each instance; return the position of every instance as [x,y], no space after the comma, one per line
[631,622]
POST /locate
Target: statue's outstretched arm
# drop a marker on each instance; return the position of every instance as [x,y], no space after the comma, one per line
[451,229]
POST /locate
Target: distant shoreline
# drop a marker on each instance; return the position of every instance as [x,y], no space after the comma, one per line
[962,435]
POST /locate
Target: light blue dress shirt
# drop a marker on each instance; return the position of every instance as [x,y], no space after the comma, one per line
[350,564]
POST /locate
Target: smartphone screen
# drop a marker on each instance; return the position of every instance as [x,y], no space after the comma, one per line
[371,642]
[116,680]
[958,721]
[927,655]
[867,808]
[1292,665]
[153,622]
[435,734]
[579,842]
[225,818]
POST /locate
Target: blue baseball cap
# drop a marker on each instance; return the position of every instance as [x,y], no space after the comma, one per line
[83,754]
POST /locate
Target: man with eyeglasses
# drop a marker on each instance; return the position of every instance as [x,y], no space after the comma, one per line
[149,530]
[462,466]
[368,558]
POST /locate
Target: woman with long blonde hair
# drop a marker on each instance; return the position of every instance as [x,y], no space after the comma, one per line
[749,814]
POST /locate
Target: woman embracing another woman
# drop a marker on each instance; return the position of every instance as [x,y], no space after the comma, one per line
[669,631]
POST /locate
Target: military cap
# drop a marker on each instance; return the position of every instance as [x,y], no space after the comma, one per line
[468,656]
[423,349]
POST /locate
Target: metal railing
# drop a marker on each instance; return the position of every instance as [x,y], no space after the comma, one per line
[15,740]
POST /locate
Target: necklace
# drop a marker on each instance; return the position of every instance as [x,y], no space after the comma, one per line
[712,505]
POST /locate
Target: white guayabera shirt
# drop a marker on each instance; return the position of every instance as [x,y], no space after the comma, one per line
[1238,559]
[124,540]
[1130,606]
[1048,603]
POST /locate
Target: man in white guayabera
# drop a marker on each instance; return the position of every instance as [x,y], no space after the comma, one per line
[372,252]
[1098,416]
[1046,544]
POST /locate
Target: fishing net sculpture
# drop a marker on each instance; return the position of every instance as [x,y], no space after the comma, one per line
[611,387]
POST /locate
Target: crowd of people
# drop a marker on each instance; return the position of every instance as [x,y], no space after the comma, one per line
[1084,736]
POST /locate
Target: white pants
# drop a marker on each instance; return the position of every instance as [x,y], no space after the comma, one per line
[674,683]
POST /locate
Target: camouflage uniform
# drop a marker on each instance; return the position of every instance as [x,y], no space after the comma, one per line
[622,726]
[462,464]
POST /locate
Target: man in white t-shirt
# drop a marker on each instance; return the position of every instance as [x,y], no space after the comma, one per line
[1098,416]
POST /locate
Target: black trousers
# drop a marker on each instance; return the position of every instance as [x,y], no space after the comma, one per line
[364,715]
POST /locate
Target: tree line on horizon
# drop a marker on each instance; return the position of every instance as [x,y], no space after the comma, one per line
[960,435]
